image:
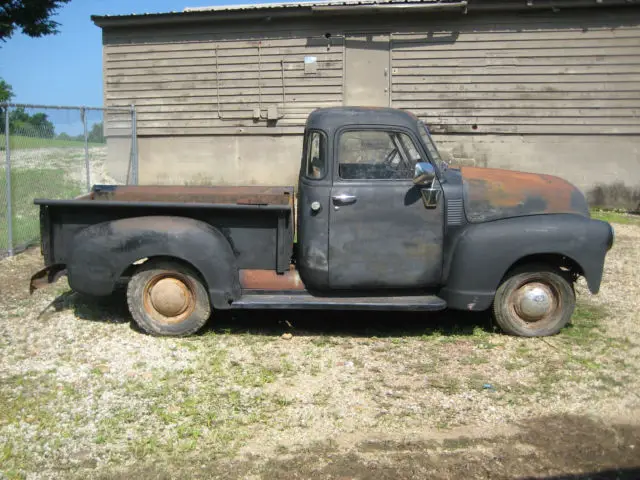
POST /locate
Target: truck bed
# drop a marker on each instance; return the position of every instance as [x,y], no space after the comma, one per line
[257,220]
[215,195]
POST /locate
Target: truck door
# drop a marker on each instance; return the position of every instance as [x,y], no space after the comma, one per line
[314,190]
[381,232]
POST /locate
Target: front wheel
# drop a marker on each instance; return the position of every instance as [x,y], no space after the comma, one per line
[534,301]
[168,298]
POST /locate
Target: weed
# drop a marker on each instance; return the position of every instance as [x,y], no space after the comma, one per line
[474,360]
[448,385]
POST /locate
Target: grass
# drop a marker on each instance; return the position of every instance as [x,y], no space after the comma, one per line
[615,217]
[27,184]
[19,142]
[179,418]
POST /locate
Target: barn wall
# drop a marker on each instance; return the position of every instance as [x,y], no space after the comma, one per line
[576,73]
[537,91]
[190,82]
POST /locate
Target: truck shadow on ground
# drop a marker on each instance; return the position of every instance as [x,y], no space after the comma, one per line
[113,309]
[552,447]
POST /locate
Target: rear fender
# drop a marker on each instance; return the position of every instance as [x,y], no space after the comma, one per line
[100,254]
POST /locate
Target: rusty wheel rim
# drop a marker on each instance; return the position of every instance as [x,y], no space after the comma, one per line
[535,303]
[169,298]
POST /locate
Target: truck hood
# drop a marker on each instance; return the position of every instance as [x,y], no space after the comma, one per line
[492,194]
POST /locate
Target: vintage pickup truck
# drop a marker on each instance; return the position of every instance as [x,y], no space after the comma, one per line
[382,224]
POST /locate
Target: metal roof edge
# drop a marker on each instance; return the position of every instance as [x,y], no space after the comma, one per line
[344,7]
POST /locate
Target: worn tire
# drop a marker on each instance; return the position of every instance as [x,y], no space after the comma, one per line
[521,298]
[168,298]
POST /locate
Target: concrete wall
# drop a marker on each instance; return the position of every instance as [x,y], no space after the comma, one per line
[583,160]
[234,160]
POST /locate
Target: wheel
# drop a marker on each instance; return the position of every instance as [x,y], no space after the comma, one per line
[167,298]
[534,301]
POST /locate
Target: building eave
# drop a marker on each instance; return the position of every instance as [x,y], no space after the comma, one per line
[268,11]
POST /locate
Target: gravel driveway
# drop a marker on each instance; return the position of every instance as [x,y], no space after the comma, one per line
[85,395]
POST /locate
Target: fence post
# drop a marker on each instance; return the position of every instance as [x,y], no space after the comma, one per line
[8,180]
[134,145]
[87,165]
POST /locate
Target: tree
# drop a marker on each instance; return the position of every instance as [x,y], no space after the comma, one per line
[96,134]
[36,125]
[32,17]
[6,92]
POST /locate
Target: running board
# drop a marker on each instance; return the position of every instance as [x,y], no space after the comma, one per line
[429,303]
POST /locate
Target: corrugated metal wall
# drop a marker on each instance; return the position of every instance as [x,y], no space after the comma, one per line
[198,87]
[551,73]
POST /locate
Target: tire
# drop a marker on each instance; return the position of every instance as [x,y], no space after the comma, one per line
[519,307]
[168,298]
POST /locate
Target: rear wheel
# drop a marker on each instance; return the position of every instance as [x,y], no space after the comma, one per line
[534,301]
[167,298]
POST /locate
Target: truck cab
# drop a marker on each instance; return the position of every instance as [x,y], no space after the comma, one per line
[382,223]
[363,224]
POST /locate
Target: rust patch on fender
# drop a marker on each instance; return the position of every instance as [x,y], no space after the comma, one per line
[491,194]
[270,280]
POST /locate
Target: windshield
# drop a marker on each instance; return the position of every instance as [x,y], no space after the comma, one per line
[428,142]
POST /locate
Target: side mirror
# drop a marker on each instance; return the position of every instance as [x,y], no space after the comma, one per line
[424,173]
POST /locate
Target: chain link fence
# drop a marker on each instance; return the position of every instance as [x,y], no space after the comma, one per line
[58,152]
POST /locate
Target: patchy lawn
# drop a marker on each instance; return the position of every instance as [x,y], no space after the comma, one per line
[19,142]
[85,395]
[27,184]
[47,172]
[616,217]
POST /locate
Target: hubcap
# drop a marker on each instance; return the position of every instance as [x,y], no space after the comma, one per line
[170,297]
[534,301]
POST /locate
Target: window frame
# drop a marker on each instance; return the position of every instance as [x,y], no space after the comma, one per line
[307,147]
[367,128]
[423,127]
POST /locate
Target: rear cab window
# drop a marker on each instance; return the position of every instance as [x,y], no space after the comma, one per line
[316,156]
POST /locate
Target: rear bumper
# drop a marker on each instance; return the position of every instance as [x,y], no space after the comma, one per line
[47,276]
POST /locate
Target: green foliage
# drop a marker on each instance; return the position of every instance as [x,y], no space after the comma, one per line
[95,135]
[32,17]
[6,91]
[36,125]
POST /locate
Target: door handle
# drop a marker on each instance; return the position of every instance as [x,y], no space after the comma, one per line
[344,199]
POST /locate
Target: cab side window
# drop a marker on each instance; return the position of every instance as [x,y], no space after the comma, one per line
[376,155]
[316,163]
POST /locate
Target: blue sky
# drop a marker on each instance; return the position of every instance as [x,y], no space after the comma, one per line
[66,69]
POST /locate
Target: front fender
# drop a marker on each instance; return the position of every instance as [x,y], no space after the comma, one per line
[483,253]
[99,254]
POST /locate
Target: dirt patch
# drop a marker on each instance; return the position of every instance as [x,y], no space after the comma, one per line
[548,446]
[551,447]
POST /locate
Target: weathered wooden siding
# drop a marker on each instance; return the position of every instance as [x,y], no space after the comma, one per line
[570,72]
[190,85]
[576,73]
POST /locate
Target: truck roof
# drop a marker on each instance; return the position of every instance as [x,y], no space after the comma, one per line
[330,119]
